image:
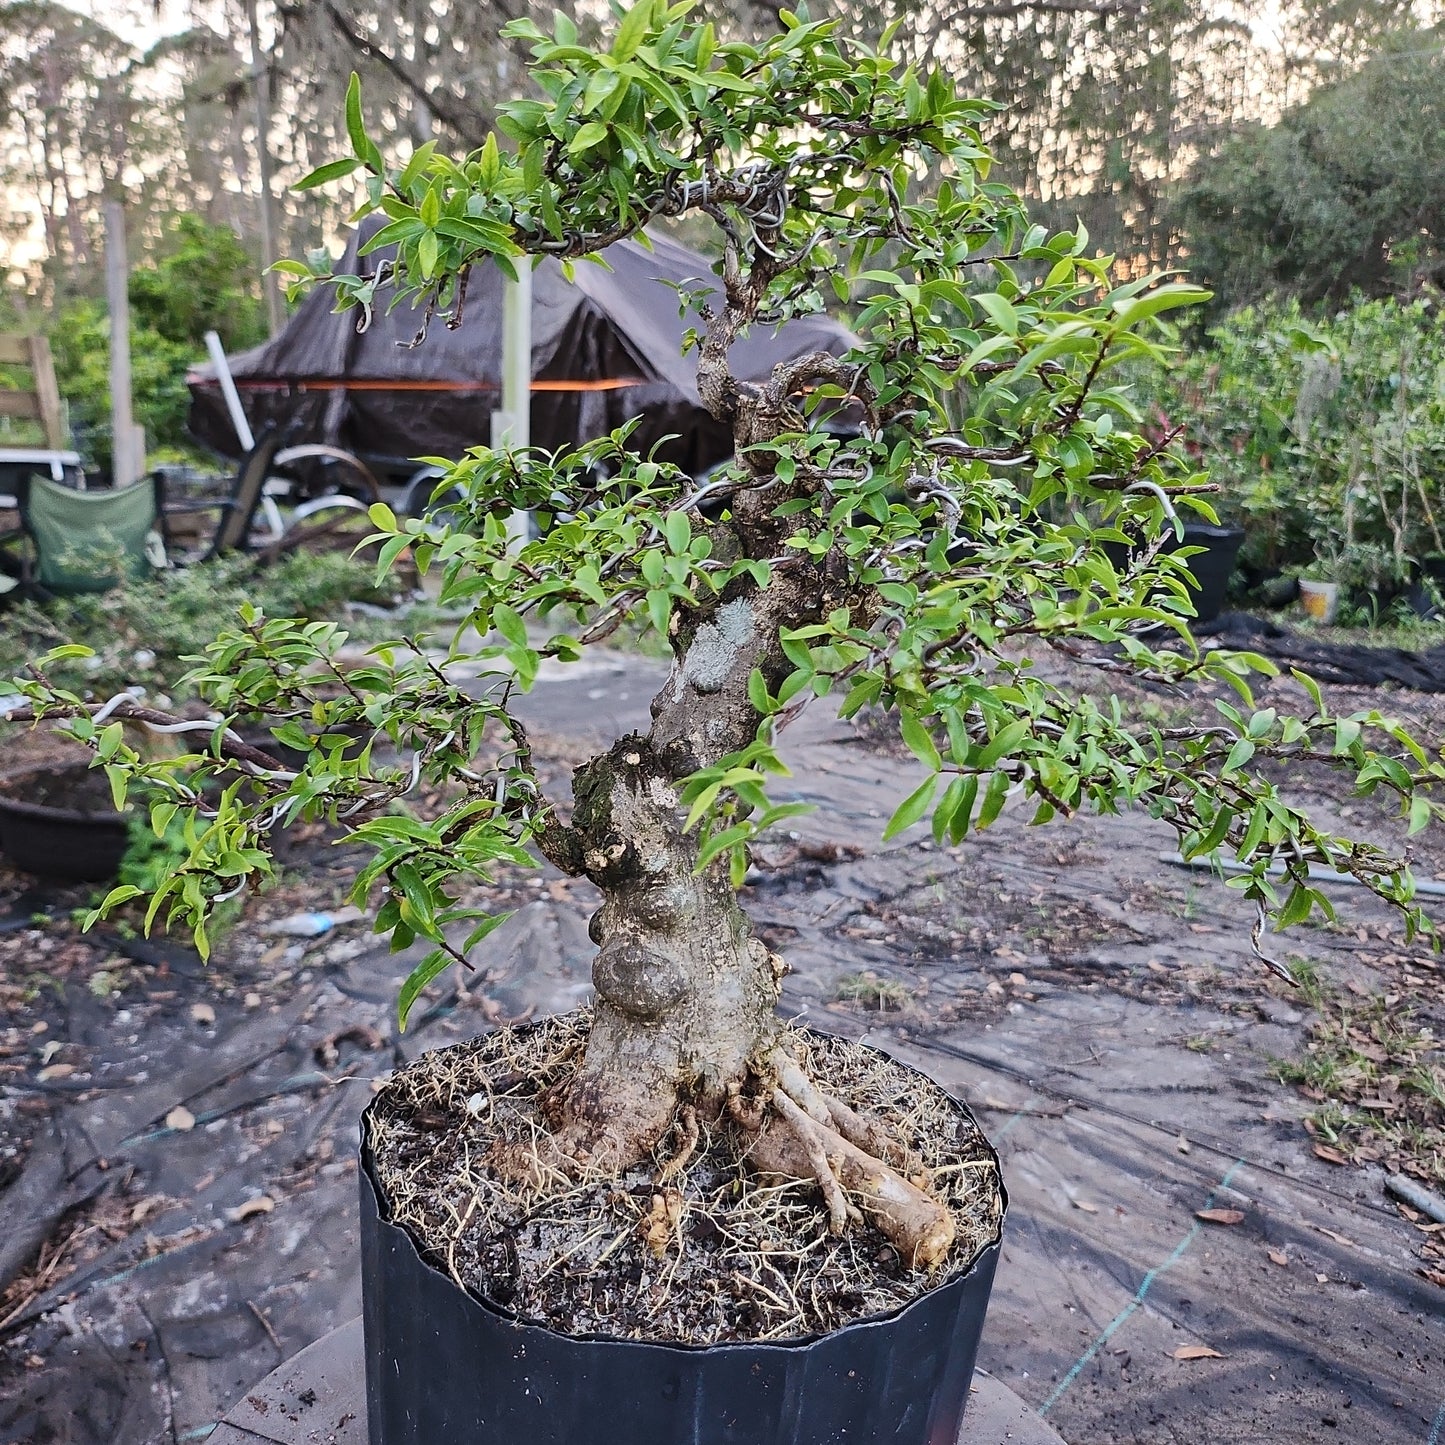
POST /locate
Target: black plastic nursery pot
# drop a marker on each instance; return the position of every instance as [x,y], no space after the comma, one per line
[80,843]
[1211,567]
[446,1367]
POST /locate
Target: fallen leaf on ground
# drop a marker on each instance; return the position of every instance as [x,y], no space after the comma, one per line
[1322,1279]
[1220,1216]
[181,1119]
[1196,1352]
[1279,1256]
[1086,1206]
[992,1103]
[1333,1156]
[1338,1238]
[263,1204]
[1182,1145]
[148,1205]
[203,1013]
[55,1071]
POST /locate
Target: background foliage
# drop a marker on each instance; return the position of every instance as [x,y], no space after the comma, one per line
[1326,433]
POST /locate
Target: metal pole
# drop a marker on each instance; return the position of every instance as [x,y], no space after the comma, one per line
[125,465]
[228,390]
[274,313]
[512,426]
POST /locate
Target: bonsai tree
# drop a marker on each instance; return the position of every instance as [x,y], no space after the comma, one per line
[909,565]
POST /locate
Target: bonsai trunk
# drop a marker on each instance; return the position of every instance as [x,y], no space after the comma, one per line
[685,1023]
[685,994]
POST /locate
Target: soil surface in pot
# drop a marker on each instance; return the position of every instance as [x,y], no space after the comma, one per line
[75,787]
[714,1254]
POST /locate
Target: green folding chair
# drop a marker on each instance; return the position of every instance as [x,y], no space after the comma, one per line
[89,541]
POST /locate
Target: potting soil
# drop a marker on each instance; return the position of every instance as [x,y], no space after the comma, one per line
[706,1253]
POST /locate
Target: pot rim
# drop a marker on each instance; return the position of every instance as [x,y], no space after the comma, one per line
[797,1342]
[44,812]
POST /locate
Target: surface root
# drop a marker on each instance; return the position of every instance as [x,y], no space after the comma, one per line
[810,1136]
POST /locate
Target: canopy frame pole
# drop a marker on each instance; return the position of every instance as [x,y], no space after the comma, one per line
[237,412]
[126,448]
[512,425]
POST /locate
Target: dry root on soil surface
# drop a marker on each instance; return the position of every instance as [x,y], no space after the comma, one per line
[810,1135]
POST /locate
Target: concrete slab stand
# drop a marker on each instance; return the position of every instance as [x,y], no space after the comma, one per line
[319,1398]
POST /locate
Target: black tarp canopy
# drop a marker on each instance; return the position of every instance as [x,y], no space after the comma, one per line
[606,347]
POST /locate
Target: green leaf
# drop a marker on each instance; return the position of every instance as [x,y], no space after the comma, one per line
[993,799]
[488,925]
[633,30]
[1000,311]
[420,158]
[509,624]
[721,842]
[1239,755]
[361,143]
[109,741]
[119,781]
[678,531]
[1297,907]
[590,135]
[918,739]
[758,694]
[912,808]
[323,175]
[1420,814]
[121,893]
[355,122]
[431,967]
[1169,297]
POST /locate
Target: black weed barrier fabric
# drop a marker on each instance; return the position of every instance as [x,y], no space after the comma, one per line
[1344,664]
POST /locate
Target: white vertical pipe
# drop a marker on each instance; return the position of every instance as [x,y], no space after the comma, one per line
[125,465]
[512,426]
[228,390]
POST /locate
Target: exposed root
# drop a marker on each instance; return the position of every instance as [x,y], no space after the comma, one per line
[687,1120]
[814,1137]
[868,1134]
[747,1114]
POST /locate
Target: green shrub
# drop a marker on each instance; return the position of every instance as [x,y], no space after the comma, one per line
[1325,434]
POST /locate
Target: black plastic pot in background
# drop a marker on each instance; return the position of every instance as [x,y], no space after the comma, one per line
[83,844]
[1212,567]
[446,1368]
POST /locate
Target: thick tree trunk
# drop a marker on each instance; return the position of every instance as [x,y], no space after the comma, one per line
[685,993]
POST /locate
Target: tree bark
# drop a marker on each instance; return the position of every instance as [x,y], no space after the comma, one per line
[685,993]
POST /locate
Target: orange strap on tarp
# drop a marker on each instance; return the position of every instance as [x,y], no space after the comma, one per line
[611,383]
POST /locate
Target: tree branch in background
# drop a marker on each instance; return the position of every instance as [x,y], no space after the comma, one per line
[470,129]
